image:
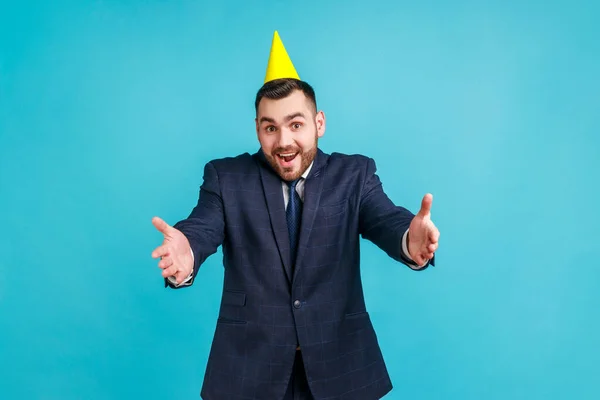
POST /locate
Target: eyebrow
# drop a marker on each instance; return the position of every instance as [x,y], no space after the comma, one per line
[287,117]
[294,115]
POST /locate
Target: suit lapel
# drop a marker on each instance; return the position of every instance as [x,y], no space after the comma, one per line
[273,192]
[313,187]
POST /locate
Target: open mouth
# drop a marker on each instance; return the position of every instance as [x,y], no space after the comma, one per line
[287,157]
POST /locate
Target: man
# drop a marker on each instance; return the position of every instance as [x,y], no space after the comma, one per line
[293,322]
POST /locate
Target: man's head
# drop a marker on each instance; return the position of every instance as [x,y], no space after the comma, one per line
[288,125]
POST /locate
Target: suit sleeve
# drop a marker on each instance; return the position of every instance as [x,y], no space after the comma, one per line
[205,226]
[381,221]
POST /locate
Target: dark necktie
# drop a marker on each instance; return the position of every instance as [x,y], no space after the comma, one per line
[293,214]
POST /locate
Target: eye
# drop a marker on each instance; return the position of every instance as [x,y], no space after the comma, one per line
[271,128]
[296,125]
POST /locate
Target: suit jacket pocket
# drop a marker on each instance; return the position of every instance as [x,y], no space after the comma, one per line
[333,210]
[229,321]
[232,310]
[356,322]
[356,315]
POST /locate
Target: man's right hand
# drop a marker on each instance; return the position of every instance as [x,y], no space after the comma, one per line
[175,252]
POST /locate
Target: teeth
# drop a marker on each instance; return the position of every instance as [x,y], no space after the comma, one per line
[286,155]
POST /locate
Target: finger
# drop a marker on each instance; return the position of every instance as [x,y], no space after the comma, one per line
[171,271]
[423,258]
[161,225]
[165,262]
[426,205]
[434,235]
[160,251]
[180,277]
[419,259]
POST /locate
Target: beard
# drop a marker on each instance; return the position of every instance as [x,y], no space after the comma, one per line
[289,173]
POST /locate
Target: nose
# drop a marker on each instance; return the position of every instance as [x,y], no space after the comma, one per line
[286,138]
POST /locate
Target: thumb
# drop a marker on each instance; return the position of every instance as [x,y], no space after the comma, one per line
[161,225]
[426,205]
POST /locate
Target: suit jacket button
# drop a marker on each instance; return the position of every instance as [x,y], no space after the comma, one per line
[297,304]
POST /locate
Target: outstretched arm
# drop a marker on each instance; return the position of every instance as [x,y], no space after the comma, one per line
[387,225]
[191,241]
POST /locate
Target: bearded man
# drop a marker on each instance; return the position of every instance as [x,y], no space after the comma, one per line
[292,322]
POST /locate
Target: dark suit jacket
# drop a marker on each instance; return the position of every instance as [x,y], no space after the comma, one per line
[268,306]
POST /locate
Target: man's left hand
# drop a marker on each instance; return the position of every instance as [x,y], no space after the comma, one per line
[423,236]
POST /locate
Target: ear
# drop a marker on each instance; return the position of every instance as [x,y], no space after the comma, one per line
[256,122]
[320,121]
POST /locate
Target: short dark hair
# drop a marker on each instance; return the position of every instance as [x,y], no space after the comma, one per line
[281,88]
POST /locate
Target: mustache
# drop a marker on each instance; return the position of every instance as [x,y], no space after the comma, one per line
[288,149]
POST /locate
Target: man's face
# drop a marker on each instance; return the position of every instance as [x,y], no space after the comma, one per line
[288,130]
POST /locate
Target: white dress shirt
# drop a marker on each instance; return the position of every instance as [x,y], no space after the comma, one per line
[286,198]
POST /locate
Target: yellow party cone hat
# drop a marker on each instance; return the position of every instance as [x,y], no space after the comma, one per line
[280,65]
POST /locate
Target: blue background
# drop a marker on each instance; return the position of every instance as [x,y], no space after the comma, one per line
[109,110]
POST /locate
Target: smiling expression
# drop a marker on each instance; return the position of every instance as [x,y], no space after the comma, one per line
[288,130]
